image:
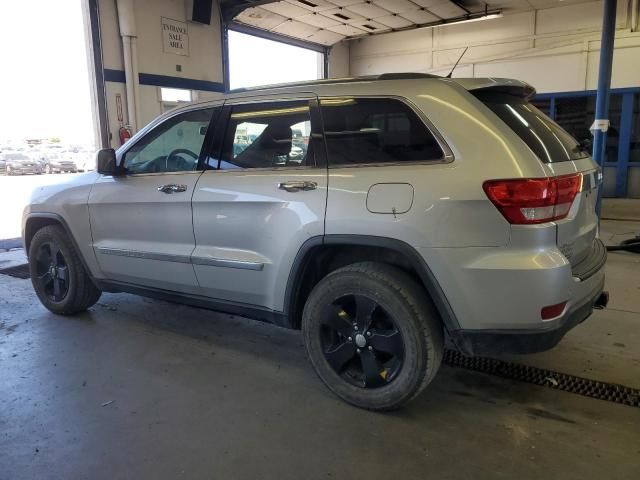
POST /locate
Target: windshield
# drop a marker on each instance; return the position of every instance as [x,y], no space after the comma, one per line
[548,140]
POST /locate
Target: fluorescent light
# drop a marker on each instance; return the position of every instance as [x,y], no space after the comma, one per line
[489,16]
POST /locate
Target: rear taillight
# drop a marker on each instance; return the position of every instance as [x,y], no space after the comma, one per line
[526,201]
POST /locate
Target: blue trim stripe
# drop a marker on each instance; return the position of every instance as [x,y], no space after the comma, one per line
[113,75]
[584,93]
[165,81]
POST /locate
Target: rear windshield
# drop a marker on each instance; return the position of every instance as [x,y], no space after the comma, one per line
[548,140]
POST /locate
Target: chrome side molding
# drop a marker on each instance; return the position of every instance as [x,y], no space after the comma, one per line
[166,257]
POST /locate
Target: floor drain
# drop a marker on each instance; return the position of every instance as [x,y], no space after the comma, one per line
[19,271]
[586,387]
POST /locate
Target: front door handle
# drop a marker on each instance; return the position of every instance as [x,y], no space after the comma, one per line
[172,188]
[297,185]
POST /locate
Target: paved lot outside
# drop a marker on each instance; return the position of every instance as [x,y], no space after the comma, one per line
[15,192]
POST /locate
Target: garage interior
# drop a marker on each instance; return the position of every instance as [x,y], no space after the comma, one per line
[142,388]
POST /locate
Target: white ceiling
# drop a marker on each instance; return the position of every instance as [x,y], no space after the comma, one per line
[327,22]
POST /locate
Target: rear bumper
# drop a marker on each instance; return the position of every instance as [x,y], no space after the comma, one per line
[481,342]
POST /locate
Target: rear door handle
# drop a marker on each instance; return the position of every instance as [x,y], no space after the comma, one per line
[172,188]
[297,185]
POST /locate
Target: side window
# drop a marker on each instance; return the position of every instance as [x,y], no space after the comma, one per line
[375,130]
[172,146]
[264,135]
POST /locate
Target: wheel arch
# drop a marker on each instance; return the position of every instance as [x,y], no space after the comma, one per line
[320,251]
[36,221]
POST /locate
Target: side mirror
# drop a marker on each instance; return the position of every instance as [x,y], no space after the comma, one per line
[107,161]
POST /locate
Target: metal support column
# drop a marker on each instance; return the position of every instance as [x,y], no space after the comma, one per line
[601,122]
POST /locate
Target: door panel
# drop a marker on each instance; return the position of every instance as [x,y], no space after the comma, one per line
[249,227]
[141,221]
[144,236]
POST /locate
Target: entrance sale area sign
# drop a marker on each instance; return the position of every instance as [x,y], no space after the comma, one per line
[175,37]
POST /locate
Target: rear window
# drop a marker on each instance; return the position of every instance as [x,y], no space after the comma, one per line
[375,130]
[548,140]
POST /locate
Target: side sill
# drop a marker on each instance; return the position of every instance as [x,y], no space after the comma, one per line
[233,308]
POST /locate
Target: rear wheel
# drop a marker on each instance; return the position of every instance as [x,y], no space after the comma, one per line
[57,273]
[372,336]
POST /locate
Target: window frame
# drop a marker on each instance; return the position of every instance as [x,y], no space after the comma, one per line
[142,134]
[447,157]
[215,147]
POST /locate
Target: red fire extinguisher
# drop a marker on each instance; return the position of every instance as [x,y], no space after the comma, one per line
[124,133]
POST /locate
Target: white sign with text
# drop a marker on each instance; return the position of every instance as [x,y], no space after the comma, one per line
[175,37]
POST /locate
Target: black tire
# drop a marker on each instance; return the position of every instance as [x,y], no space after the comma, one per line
[400,303]
[62,293]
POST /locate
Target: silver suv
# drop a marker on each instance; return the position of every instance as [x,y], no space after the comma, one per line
[380,215]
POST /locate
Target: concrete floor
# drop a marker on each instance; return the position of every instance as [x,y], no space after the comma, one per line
[139,388]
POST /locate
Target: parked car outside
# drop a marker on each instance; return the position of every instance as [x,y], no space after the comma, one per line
[424,208]
[58,163]
[20,164]
[38,156]
[86,161]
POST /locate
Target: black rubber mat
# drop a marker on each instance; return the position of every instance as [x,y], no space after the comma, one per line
[19,271]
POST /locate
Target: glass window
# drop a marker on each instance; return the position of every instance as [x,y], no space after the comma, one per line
[175,95]
[634,147]
[172,146]
[612,137]
[372,130]
[545,137]
[543,105]
[576,114]
[267,135]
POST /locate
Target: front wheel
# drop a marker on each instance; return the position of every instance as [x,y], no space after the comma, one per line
[372,335]
[57,273]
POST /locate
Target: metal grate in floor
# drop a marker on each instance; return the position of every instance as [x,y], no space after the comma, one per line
[18,271]
[610,392]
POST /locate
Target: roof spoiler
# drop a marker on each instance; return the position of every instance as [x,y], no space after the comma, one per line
[498,85]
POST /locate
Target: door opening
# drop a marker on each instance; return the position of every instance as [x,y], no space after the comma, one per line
[255,61]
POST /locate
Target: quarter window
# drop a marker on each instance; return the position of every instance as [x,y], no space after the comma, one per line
[548,140]
[267,135]
[372,130]
[172,146]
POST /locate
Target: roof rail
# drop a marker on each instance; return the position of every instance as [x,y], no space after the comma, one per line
[324,81]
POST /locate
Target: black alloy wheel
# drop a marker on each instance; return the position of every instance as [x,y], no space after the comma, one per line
[52,272]
[372,335]
[361,342]
[58,274]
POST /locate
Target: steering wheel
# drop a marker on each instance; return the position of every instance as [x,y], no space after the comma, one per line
[181,163]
